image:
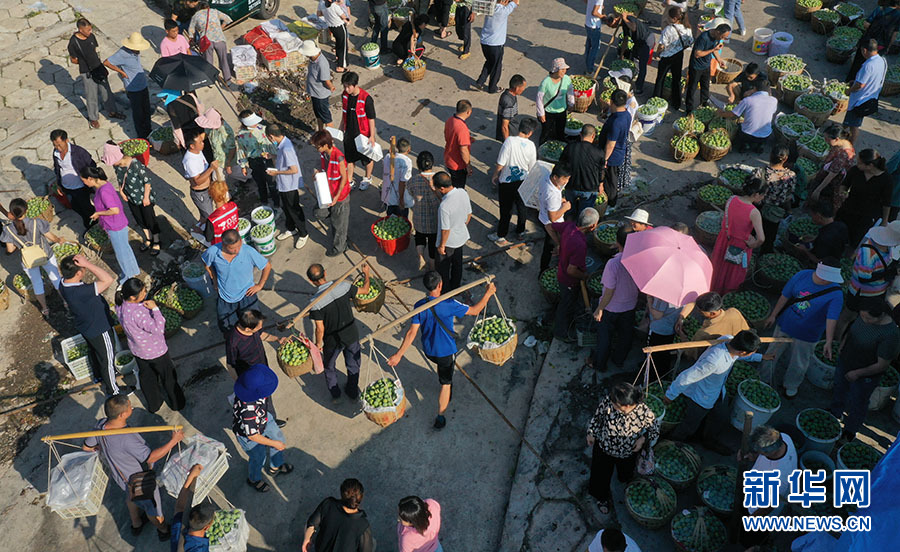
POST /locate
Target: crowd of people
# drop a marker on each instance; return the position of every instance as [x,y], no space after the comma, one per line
[853,199]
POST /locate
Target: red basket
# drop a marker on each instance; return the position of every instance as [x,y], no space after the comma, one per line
[143,157]
[392,246]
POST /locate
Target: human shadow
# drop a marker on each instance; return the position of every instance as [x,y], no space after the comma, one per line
[53,74]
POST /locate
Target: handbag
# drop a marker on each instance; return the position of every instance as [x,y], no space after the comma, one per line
[33,255]
[645,463]
[139,485]
[733,253]
[98,74]
[204,43]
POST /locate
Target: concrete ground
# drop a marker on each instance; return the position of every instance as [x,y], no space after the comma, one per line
[469,467]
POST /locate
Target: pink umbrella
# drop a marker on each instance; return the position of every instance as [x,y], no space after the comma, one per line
[667,264]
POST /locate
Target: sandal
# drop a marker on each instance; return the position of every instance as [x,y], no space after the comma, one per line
[260,486]
[154,249]
[603,506]
[116,115]
[283,469]
[145,245]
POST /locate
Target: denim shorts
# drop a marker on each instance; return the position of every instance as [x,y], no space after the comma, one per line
[852,121]
[321,109]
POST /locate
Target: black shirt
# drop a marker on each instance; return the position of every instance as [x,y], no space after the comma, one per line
[507,109]
[866,197]
[639,34]
[338,531]
[182,12]
[352,123]
[586,162]
[745,83]
[831,241]
[243,351]
[85,51]
[183,111]
[336,312]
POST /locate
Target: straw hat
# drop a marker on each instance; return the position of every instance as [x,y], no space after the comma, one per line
[640,216]
[309,49]
[888,236]
[210,119]
[136,42]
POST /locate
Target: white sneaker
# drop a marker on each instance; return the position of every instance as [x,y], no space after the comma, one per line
[493,236]
[285,235]
[364,184]
[301,242]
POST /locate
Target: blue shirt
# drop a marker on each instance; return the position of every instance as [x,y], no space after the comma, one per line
[191,543]
[758,110]
[615,129]
[704,382]
[871,74]
[130,62]
[494,31]
[704,42]
[236,277]
[435,340]
[286,158]
[806,320]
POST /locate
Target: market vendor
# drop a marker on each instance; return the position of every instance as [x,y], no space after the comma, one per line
[357,119]
[742,86]
[771,450]
[703,386]
[758,109]
[831,241]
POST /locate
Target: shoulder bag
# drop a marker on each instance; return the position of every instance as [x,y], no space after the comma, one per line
[204,43]
[558,89]
[450,332]
[98,74]
[733,254]
[810,297]
[33,255]
[140,485]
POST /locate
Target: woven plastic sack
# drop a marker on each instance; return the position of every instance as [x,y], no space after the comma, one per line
[236,539]
[243,56]
[288,41]
[530,188]
[196,449]
[72,487]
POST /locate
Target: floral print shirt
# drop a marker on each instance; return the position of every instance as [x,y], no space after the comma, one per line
[135,177]
[252,143]
[213,31]
[780,186]
[617,432]
[221,140]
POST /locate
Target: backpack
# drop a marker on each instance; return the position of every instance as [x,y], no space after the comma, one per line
[33,255]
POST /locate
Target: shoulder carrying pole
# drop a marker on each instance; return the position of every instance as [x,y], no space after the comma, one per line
[309,307]
[106,432]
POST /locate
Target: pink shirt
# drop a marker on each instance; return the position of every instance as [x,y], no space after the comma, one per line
[616,277]
[411,540]
[171,47]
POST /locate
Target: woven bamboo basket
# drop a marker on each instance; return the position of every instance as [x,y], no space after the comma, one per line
[583,100]
[709,153]
[818,118]
[48,213]
[4,297]
[552,296]
[374,304]
[499,355]
[819,26]
[385,416]
[726,76]
[803,13]
[702,531]
[681,156]
[804,151]
[688,454]
[840,103]
[416,74]
[293,371]
[890,88]
[665,495]
[701,235]
[775,75]
[838,56]
[789,96]
[604,248]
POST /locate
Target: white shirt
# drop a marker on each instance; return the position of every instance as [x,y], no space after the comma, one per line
[758,110]
[630,545]
[333,15]
[390,190]
[550,199]
[589,19]
[194,164]
[674,38]
[453,212]
[69,179]
[517,156]
[785,465]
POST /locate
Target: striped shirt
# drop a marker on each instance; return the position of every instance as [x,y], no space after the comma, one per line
[865,266]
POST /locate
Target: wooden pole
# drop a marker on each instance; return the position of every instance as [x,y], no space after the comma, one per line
[393,154]
[608,48]
[707,343]
[424,307]
[106,432]
[472,260]
[742,466]
[313,303]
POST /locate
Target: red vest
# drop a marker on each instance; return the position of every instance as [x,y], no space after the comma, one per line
[224,218]
[331,164]
[361,118]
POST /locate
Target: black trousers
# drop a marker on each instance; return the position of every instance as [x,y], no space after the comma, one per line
[265,184]
[159,382]
[611,177]
[509,199]
[554,127]
[140,112]
[570,304]
[663,361]
[695,77]
[493,66]
[464,27]
[602,466]
[293,212]
[547,250]
[145,217]
[620,325]
[428,241]
[640,54]
[80,200]
[672,65]
[444,12]
[713,421]
[340,45]
[450,267]
[103,360]
[458,178]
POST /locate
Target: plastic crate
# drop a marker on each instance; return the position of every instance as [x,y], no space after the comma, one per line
[81,367]
[91,505]
[484,7]
[275,64]
[210,475]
